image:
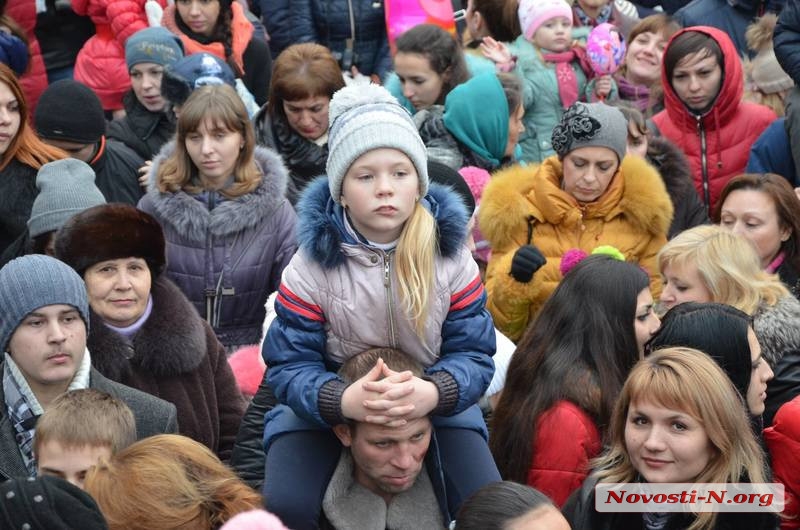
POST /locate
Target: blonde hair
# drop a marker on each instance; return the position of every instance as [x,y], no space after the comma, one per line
[728,266]
[221,106]
[690,381]
[86,417]
[415,261]
[168,481]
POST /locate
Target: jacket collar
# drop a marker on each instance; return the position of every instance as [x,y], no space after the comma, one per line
[321,232]
[171,342]
[192,219]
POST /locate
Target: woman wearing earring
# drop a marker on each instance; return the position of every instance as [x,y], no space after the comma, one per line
[221,201]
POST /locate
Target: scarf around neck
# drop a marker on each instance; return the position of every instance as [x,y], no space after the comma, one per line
[639,95]
[24,409]
[586,20]
[565,76]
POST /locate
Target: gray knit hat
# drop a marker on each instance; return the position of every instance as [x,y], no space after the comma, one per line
[153,45]
[591,125]
[364,118]
[66,187]
[35,281]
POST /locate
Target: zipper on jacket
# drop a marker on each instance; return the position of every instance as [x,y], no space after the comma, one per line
[704,161]
[387,284]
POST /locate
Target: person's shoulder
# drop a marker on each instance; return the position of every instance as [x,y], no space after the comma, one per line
[141,403]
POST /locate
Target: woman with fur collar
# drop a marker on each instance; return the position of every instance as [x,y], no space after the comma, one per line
[590,194]
[221,200]
[143,332]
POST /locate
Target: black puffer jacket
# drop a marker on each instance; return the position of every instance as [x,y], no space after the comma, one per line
[143,131]
[327,22]
[674,169]
[116,168]
[17,192]
[304,159]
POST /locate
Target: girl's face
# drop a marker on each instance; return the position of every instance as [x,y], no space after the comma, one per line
[752,215]
[646,322]
[380,191]
[760,374]
[421,85]
[637,141]
[682,283]
[200,15]
[588,172]
[643,59]
[554,35]
[146,85]
[515,128]
[9,117]
[214,149]
[696,80]
[666,445]
[309,116]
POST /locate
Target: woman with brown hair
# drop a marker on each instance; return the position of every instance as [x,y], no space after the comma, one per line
[294,122]
[168,481]
[22,153]
[221,201]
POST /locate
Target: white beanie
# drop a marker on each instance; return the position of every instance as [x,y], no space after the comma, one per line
[367,117]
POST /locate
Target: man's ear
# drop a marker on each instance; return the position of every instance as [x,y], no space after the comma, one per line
[344,434]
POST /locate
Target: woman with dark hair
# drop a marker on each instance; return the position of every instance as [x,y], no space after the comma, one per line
[230,230]
[428,64]
[566,373]
[143,332]
[221,28]
[294,121]
[639,78]
[506,505]
[22,154]
[458,136]
[764,209]
[726,335]
[704,113]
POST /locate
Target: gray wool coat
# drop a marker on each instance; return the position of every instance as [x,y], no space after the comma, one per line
[153,416]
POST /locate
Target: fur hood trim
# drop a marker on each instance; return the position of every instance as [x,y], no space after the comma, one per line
[759,34]
[321,231]
[778,328]
[509,200]
[191,218]
[171,342]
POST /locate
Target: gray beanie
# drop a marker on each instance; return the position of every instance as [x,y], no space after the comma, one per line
[66,187]
[364,118]
[591,125]
[35,281]
[153,45]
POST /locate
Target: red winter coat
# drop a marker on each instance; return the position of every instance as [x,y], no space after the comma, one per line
[566,440]
[728,129]
[783,442]
[34,81]
[101,62]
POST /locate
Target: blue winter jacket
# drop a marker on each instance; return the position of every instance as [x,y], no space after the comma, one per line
[337,298]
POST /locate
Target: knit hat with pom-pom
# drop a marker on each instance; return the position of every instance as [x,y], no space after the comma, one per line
[367,117]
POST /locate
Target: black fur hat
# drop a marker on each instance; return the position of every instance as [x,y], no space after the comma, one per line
[111,231]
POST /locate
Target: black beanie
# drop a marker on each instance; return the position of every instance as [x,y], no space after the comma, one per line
[447,176]
[47,503]
[70,111]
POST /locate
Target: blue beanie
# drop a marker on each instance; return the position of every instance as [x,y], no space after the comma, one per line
[14,53]
[194,71]
[35,281]
[153,45]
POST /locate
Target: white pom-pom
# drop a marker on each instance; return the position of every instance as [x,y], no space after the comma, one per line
[353,96]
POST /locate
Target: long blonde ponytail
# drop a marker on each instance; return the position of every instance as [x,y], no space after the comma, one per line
[415,263]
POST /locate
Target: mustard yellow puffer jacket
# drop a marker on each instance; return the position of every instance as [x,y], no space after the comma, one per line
[524,205]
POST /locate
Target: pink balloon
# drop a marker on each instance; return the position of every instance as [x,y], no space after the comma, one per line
[605,48]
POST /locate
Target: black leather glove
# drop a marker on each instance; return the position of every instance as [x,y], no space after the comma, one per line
[527,260]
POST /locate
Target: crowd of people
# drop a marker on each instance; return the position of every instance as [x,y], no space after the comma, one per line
[264,266]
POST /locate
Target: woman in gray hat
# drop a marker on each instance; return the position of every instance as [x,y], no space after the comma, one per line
[588,194]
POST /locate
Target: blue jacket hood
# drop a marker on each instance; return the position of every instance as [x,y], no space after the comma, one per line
[321,230]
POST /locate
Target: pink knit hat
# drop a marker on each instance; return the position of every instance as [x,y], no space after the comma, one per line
[477,179]
[534,13]
[254,520]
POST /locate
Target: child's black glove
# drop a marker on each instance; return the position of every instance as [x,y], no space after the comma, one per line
[527,260]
